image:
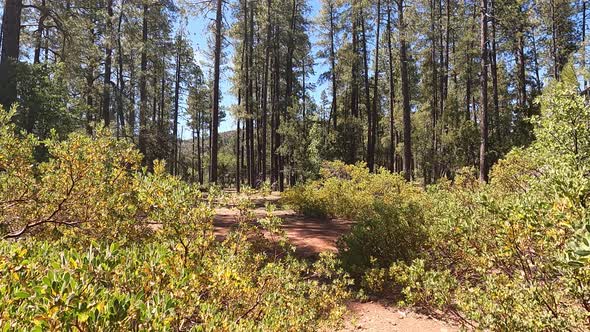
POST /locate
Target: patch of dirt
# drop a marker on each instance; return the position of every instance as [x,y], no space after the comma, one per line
[310,236]
[378,317]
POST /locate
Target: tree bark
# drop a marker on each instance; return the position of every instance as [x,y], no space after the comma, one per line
[106,96]
[176,103]
[536,60]
[265,83]
[354,95]
[238,175]
[334,111]
[200,146]
[39,32]
[215,108]
[392,132]
[554,40]
[430,173]
[405,94]
[494,72]
[275,118]
[366,85]
[483,124]
[143,86]
[250,101]
[120,79]
[289,77]
[11,24]
[373,123]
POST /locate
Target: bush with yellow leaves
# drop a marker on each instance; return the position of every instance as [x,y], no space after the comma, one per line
[94,242]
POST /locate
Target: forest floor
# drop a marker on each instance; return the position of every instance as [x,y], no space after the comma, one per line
[310,236]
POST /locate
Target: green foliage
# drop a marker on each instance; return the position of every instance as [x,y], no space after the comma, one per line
[146,286]
[511,255]
[347,191]
[102,244]
[394,233]
[88,182]
[44,101]
[389,213]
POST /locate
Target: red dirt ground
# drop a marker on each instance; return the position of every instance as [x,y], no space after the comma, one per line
[311,236]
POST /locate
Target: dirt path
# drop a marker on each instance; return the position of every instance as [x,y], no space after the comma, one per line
[311,236]
[379,317]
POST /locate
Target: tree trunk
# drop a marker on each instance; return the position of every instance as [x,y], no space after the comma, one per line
[175,120]
[392,132]
[430,173]
[367,88]
[354,95]
[494,72]
[120,79]
[334,110]
[215,110]
[373,123]
[289,88]
[39,32]
[143,86]
[238,175]
[265,83]
[536,60]
[275,119]
[200,149]
[106,96]
[584,40]
[249,101]
[193,154]
[554,40]
[405,94]
[483,124]
[442,87]
[11,24]
[132,90]
[247,86]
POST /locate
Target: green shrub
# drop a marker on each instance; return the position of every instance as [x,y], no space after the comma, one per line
[510,255]
[394,233]
[348,191]
[306,200]
[88,182]
[146,286]
[94,242]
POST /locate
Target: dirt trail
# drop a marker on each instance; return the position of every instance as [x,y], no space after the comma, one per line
[379,317]
[310,236]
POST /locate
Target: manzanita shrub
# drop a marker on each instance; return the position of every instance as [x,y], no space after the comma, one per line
[57,285]
[92,241]
[389,212]
[510,255]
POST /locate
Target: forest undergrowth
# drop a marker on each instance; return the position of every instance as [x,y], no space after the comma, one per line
[92,241]
[509,255]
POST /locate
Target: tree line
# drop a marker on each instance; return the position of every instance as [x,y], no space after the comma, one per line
[422,87]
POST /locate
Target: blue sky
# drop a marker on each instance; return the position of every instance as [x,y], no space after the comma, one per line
[200,37]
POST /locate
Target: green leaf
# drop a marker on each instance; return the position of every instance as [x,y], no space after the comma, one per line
[575,264]
[583,252]
[21,295]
